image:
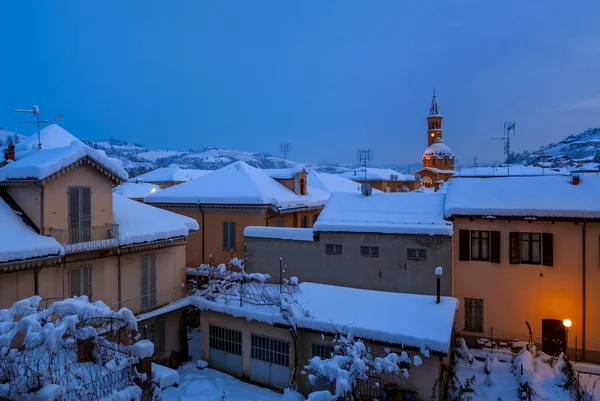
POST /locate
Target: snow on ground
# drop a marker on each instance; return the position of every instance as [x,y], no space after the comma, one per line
[164,376]
[291,233]
[524,196]
[211,385]
[387,213]
[19,241]
[152,155]
[143,223]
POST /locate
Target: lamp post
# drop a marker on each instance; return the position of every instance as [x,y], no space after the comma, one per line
[438,274]
[567,323]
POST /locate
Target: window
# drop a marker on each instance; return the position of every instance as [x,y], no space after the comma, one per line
[315,217]
[304,221]
[479,245]
[270,350]
[162,333]
[279,223]
[416,253]
[302,187]
[369,251]
[445,161]
[229,235]
[433,161]
[80,281]
[149,332]
[332,249]
[147,282]
[80,214]
[225,340]
[323,351]
[532,248]
[474,314]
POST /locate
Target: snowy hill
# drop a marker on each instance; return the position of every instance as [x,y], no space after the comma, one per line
[583,146]
[7,136]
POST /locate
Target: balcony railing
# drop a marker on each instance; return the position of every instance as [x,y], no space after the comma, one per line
[87,239]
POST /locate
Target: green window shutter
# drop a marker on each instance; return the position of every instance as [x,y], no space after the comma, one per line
[495,247]
[547,249]
[464,245]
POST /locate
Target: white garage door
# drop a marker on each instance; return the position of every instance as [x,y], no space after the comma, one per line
[270,361]
[226,350]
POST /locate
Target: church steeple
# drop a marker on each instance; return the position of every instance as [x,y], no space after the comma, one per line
[433,110]
[434,122]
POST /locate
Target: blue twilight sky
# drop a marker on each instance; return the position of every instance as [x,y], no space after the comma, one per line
[327,76]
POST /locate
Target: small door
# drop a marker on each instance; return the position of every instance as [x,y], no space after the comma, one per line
[226,350]
[270,362]
[554,337]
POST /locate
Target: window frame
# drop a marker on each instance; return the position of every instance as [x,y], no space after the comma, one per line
[280,223]
[480,246]
[529,245]
[369,251]
[305,221]
[81,279]
[416,254]
[474,315]
[148,294]
[230,234]
[333,249]
[323,351]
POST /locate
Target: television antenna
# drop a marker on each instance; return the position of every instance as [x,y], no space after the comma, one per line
[285,149]
[35,110]
[364,155]
[509,130]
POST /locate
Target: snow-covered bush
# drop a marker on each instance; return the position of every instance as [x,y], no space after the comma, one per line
[352,362]
[71,349]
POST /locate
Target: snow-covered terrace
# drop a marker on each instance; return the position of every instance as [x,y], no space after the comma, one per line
[548,197]
[290,233]
[385,213]
[238,184]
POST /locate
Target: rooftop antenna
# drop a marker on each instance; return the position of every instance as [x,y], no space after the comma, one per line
[285,149]
[35,110]
[364,155]
[509,130]
[475,165]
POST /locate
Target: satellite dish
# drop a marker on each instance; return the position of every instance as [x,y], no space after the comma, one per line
[366,189]
[418,178]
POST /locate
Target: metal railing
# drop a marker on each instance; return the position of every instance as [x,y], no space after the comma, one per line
[87,239]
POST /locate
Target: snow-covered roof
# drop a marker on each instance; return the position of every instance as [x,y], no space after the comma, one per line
[524,196]
[333,183]
[437,170]
[438,150]
[291,233]
[170,174]
[52,136]
[140,223]
[328,308]
[39,164]
[377,174]
[136,190]
[386,213]
[285,173]
[238,184]
[18,241]
[586,167]
[513,171]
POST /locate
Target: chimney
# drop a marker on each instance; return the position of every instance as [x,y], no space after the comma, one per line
[9,152]
[574,179]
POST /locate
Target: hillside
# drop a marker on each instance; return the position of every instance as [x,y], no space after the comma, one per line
[583,147]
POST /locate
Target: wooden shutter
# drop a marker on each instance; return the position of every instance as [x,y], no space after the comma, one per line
[86,281]
[464,245]
[547,249]
[144,281]
[162,332]
[232,234]
[86,214]
[515,248]
[75,282]
[495,247]
[152,273]
[74,214]
[225,226]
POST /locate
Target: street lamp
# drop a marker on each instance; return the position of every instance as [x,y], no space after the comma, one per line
[567,323]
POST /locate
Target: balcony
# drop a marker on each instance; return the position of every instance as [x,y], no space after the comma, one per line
[87,239]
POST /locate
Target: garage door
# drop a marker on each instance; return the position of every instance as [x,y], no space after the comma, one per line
[226,350]
[270,362]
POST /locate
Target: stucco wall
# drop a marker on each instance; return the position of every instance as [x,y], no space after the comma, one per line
[56,205]
[391,271]
[421,379]
[515,293]
[28,199]
[15,286]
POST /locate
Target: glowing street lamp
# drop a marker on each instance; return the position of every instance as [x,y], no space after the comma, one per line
[567,323]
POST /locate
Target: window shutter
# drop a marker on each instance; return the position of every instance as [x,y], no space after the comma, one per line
[73,215]
[495,247]
[86,278]
[86,214]
[232,235]
[152,260]
[547,249]
[144,282]
[464,245]
[515,248]
[225,226]
[75,281]
[162,332]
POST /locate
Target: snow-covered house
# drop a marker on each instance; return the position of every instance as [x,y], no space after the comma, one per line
[227,200]
[526,249]
[258,339]
[166,177]
[70,235]
[385,241]
[383,179]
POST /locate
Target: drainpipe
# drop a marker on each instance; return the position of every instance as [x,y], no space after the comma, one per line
[583,292]
[42,209]
[119,276]
[269,218]
[203,231]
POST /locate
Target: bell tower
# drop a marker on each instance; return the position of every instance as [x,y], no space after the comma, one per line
[434,122]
